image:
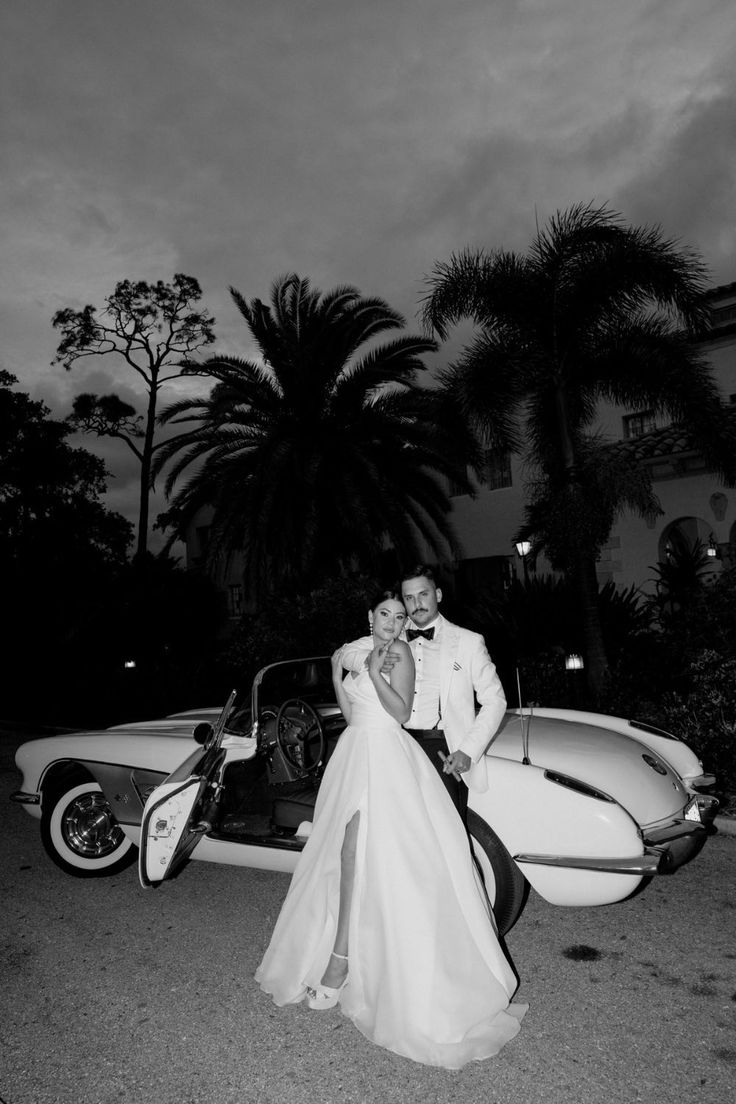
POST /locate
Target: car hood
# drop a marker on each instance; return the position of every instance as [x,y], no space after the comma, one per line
[633,775]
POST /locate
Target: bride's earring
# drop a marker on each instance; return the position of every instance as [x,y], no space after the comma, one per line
[370,623]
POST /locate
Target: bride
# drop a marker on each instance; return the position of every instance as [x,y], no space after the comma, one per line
[384,914]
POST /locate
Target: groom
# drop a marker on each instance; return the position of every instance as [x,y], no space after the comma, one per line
[453,669]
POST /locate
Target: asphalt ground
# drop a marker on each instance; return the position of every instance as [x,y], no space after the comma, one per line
[111,993]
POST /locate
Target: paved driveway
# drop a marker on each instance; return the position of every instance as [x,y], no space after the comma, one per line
[116,995]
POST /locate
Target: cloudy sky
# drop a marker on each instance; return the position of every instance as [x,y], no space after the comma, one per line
[351,142]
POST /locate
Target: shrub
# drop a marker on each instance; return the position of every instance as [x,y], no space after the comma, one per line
[704,717]
[303,625]
[531,626]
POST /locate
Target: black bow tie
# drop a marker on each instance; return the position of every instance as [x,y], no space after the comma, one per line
[427,634]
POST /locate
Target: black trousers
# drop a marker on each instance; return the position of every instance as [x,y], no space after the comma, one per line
[431,741]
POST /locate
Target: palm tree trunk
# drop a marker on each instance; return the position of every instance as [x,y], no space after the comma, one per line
[583,571]
[596,661]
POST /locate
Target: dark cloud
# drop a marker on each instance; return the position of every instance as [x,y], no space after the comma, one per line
[689,187]
[354,143]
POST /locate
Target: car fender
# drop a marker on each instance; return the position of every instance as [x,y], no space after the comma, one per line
[35,757]
[531,813]
[126,788]
[127,763]
[39,760]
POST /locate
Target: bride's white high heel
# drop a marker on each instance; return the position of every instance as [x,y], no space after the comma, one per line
[324,996]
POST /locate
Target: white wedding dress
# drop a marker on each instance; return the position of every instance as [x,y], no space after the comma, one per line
[426,975]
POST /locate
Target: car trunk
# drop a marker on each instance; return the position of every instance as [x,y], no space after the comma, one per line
[634,775]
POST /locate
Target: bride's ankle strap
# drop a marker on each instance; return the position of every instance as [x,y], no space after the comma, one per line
[336,955]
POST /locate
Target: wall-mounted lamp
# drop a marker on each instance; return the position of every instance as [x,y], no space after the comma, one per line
[712,548]
[574,662]
[129,664]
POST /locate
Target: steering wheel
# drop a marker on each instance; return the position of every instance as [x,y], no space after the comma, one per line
[300,735]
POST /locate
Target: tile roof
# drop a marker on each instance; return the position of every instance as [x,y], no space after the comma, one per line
[671,440]
[720,291]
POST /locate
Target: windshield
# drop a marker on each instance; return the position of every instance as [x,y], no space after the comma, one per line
[308,679]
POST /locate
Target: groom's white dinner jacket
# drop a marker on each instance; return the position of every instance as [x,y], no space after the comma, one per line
[467,674]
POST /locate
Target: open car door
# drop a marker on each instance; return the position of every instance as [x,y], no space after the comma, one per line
[176,815]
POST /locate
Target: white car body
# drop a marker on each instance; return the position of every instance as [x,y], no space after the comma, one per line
[587,806]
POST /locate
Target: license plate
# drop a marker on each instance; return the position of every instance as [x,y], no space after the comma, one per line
[692,811]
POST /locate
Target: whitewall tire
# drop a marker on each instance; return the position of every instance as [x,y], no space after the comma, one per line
[80,833]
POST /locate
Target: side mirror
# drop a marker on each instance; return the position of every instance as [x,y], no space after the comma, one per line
[202,732]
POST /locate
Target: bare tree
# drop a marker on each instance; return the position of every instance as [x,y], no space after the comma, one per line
[153,327]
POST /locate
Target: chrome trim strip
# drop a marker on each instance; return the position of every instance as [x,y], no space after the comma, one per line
[673,832]
[577,786]
[642,726]
[645,865]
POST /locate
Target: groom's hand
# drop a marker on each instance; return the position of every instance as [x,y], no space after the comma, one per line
[458,761]
[390,660]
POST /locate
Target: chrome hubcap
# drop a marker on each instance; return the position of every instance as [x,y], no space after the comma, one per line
[89,828]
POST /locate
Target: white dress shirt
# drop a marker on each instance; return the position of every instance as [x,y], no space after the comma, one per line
[425,711]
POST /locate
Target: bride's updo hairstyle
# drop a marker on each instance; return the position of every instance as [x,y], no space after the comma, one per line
[390,594]
[387,595]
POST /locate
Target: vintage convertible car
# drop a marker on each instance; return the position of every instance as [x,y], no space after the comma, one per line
[582,807]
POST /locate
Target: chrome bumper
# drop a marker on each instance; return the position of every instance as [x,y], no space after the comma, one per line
[645,865]
[665,849]
[25,798]
[684,837]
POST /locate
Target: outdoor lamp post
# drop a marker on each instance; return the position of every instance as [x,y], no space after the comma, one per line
[523,548]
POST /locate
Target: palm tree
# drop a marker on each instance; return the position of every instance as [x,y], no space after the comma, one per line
[323,453]
[595,311]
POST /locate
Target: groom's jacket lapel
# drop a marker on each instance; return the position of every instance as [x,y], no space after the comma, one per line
[450,642]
